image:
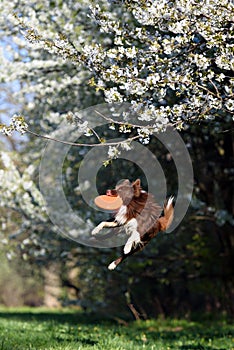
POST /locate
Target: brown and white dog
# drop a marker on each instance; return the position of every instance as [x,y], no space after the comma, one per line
[140,216]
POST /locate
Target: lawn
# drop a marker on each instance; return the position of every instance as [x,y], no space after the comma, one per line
[39,329]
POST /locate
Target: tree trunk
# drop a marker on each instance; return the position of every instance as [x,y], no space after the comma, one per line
[52,285]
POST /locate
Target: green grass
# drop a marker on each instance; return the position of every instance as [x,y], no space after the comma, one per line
[39,329]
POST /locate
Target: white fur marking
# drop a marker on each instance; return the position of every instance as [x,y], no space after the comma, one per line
[112,266]
[102,225]
[131,226]
[121,217]
[134,239]
[170,201]
[97,229]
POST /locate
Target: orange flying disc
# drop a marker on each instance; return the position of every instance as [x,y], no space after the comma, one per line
[108,202]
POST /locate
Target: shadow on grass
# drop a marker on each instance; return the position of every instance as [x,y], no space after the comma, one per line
[61,317]
[43,329]
[201,334]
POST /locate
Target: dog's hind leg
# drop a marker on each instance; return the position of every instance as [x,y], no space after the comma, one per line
[116,262]
[136,249]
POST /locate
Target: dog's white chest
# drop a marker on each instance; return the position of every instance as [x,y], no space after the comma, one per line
[121,216]
[131,226]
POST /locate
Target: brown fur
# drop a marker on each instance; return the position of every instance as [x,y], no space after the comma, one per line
[142,207]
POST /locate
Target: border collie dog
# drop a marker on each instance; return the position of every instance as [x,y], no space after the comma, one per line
[140,215]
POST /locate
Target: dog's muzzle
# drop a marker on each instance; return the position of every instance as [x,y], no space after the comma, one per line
[112,193]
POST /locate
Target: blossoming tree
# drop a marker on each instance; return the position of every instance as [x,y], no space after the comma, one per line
[172,61]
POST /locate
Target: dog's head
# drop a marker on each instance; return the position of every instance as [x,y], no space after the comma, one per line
[127,190]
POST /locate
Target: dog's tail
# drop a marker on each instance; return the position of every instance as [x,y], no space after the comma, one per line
[166,220]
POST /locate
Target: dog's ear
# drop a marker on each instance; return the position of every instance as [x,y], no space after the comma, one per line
[137,187]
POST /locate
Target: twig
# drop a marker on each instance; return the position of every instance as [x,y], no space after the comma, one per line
[134,311]
[131,306]
[204,88]
[83,144]
[110,120]
[216,89]
[202,217]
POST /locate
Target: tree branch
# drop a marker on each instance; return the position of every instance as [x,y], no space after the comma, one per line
[130,139]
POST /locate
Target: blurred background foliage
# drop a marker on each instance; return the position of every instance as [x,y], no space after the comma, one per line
[186,271]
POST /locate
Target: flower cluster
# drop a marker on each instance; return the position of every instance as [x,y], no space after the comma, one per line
[18,190]
[174,67]
[82,125]
[173,58]
[17,124]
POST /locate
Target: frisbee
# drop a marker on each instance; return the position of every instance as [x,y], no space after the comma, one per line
[108,202]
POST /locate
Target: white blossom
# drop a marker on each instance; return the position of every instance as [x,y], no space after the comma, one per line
[229,104]
[13,185]
[113,152]
[113,95]
[169,59]
[126,146]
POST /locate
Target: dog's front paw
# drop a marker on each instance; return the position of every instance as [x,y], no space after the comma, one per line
[95,230]
[133,241]
[127,247]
